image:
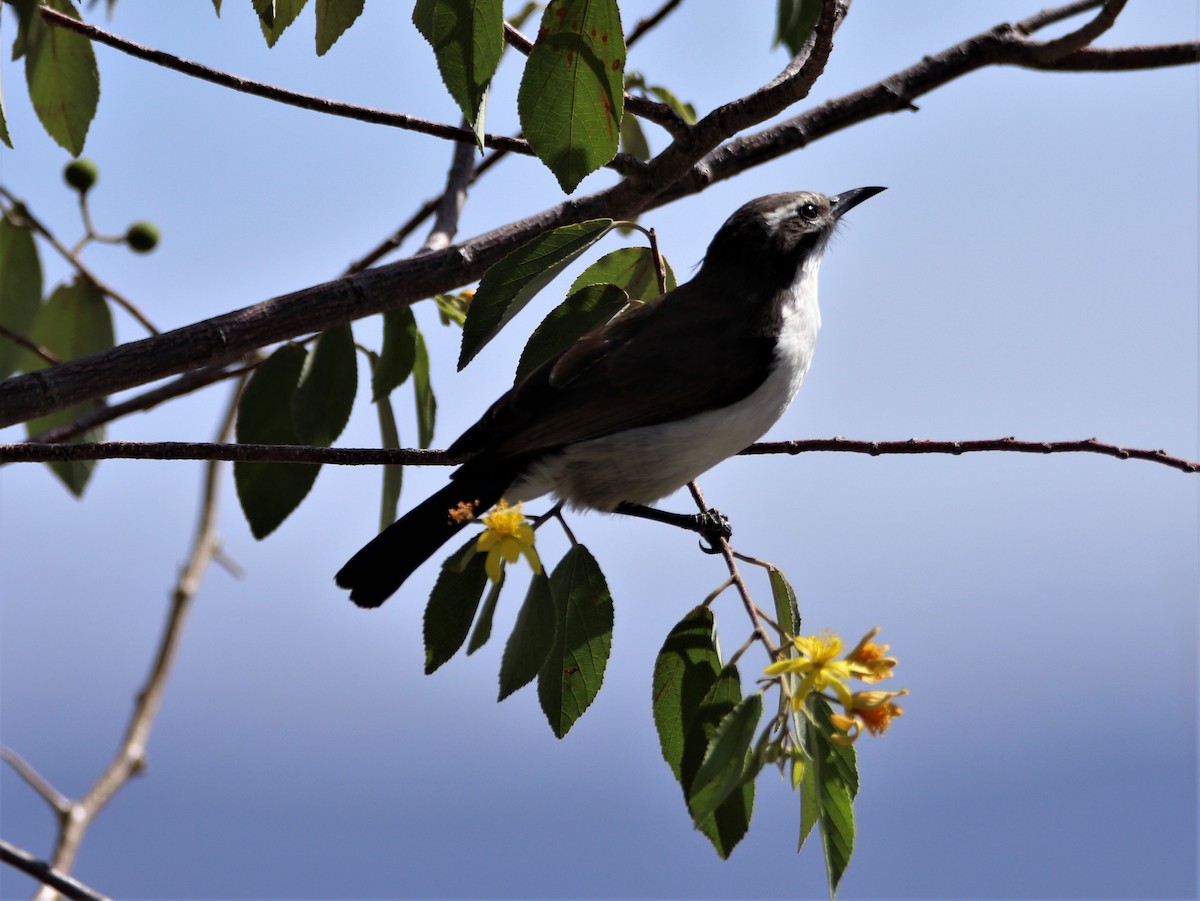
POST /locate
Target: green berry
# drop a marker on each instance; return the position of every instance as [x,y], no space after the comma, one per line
[142,237]
[81,174]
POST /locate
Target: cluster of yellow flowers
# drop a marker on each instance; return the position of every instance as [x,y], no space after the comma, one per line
[816,666]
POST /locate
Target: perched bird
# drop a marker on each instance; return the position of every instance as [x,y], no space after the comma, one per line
[644,404]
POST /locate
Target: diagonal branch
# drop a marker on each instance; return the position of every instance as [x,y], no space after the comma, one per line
[47,875]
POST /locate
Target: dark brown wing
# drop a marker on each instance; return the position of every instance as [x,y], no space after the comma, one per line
[640,369]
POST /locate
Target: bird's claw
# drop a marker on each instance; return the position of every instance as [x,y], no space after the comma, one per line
[714,528]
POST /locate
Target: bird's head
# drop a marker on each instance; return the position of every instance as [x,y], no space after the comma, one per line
[781,231]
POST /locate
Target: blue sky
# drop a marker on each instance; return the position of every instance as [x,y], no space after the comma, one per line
[1032,271]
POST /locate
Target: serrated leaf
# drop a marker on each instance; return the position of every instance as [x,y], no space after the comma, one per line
[324,396]
[836,783]
[794,22]
[572,95]
[511,283]
[217,6]
[269,492]
[274,16]
[584,310]
[452,604]
[393,473]
[483,625]
[74,322]
[631,269]
[531,640]
[725,760]
[423,390]
[787,608]
[728,825]
[64,83]
[398,353]
[804,778]
[20,290]
[333,18]
[467,37]
[573,672]
[685,669]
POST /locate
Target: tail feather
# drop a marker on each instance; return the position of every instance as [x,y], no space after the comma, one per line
[381,566]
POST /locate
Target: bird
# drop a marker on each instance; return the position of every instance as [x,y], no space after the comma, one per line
[642,405]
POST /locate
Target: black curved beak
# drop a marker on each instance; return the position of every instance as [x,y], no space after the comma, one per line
[848,200]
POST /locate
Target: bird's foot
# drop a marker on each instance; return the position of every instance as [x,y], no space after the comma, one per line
[712,525]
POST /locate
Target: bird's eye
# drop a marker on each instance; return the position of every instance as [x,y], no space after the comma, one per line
[808,211]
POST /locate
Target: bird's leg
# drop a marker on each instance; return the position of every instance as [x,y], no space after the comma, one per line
[711,524]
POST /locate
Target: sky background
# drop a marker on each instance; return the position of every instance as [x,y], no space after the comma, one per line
[1031,271]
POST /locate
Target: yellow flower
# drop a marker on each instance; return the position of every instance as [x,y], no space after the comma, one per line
[868,660]
[817,667]
[508,535]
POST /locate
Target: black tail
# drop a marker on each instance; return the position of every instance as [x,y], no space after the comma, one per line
[376,571]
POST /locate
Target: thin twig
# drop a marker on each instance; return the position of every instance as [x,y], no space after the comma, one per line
[130,756]
[639,30]
[277,94]
[21,210]
[40,870]
[39,783]
[42,452]
[449,206]
[736,575]
[31,346]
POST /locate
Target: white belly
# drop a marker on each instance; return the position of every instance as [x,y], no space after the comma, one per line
[645,464]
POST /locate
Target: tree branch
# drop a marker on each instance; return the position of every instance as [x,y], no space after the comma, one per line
[686,167]
[47,875]
[31,452]
[75,817]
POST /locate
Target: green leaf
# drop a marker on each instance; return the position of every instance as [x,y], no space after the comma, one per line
[29,23]
[512,282]
[795,20]
[333,18]
[787,608]
[584,310]
[682,108]
[452,604]
[269,492]
[572,92]
[633,138]
[4,135]
[483,627]
[423,389]
[729,823]
[217,6]
[398,353]
[531,640]
[726,758]
[64,83]
[573,671]
[276,15]
[631,269]
[684,671]
[75,322]
[393,473]
[467,40]
[325,393]
[804,777]
[20,290]
[835,773]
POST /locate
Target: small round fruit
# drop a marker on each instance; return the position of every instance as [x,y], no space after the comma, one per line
[142,237]
[81,174]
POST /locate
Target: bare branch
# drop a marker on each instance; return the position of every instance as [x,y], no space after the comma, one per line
[35,780]
[31,452]
[639,30]
[47,875]
[33,347]
[449,205]
[130,756]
